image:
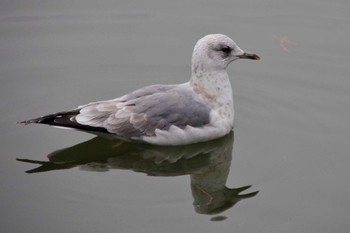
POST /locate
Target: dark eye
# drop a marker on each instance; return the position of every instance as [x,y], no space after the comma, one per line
[226,49]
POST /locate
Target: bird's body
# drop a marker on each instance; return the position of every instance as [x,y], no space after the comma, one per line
[196,111]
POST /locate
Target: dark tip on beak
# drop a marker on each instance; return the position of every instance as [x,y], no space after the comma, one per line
[251,56]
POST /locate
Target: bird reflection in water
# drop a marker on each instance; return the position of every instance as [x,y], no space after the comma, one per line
[208,165]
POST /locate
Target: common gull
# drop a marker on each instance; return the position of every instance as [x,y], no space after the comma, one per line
[198,110]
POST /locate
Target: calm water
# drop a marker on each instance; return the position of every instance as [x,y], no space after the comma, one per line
[286,169]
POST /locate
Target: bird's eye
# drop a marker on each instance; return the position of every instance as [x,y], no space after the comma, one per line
[226,49]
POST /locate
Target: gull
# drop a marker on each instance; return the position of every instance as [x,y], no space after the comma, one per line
[196,111]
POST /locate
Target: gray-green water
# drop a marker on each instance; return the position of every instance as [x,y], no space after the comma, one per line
[292,129]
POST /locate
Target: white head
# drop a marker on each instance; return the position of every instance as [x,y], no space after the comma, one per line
[215,52]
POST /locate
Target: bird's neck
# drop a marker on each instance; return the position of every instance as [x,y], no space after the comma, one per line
[213,85]
[215,88]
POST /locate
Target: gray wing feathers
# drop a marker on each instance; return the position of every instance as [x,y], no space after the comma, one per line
[143,111]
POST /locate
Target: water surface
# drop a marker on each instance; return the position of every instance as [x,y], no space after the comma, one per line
[291,139]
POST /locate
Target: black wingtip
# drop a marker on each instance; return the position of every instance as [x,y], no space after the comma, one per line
[31,121]
[52,119]
[64,119]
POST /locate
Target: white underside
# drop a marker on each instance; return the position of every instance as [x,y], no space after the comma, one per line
[217,127]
